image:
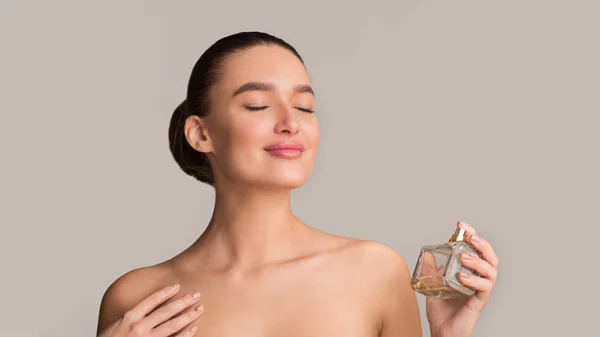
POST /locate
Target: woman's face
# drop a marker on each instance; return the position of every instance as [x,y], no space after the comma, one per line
[262,128]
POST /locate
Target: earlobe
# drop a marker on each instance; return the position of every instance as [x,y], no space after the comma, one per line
[197,134]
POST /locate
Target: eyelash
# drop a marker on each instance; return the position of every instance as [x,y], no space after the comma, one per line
[256,108]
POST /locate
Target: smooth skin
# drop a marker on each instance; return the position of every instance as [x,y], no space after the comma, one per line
[260,270]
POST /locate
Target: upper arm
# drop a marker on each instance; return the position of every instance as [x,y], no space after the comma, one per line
[122,295]
[398,307]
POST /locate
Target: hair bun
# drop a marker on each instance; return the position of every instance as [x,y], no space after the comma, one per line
[176,129]
[192,162]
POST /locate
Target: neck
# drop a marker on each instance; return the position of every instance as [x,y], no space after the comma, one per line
[250,228]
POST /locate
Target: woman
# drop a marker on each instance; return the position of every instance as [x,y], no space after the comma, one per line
[248,128]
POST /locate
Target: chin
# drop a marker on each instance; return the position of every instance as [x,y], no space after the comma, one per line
[286,180]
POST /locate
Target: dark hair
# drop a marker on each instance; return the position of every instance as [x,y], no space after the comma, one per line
[205,74]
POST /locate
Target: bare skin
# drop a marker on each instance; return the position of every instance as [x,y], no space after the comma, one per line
[336,287]
[260,270]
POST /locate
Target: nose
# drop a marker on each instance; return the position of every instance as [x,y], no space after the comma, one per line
[286,121]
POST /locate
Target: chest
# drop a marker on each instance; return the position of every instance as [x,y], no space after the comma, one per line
[293,308]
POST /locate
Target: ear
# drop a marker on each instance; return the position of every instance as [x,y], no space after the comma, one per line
[197,134]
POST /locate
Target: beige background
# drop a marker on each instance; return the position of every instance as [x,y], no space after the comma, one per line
[431,112]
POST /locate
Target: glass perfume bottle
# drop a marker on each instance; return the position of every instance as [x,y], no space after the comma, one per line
[437,268]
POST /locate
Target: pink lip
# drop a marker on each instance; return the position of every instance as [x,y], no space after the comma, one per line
[287,150]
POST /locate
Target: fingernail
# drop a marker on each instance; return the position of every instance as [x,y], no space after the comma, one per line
[464,275]
[193,329]
[466,256]
[475,238]
[175,286]
[199,309]
[195,295]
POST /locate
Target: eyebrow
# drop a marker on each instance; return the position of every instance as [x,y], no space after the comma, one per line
[261,86]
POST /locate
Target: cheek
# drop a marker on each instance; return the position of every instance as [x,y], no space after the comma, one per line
[248,134]
[241,139]
[311,131]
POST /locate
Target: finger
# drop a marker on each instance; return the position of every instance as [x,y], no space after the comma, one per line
[485,248]
[177,323]
[188,332]
[150,303]
[468,228]
[475,282]
[167,311]
[480,266]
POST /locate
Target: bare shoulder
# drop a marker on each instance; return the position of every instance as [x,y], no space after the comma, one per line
[373,262]
[377,258]
[359,253]
[128,290]
[386,273]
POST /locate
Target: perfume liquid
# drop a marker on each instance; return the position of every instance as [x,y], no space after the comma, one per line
[436,272]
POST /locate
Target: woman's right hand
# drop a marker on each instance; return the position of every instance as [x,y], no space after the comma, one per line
[141,321]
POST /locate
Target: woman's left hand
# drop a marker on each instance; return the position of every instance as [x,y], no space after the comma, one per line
[457,317]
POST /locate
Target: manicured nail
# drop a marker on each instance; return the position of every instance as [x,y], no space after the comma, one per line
[199,309]
[195,295]
[175,286]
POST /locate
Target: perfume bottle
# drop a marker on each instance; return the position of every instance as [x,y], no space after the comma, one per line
[437,268]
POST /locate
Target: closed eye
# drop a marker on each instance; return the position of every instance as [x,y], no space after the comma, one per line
[305,110]
[256,108]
